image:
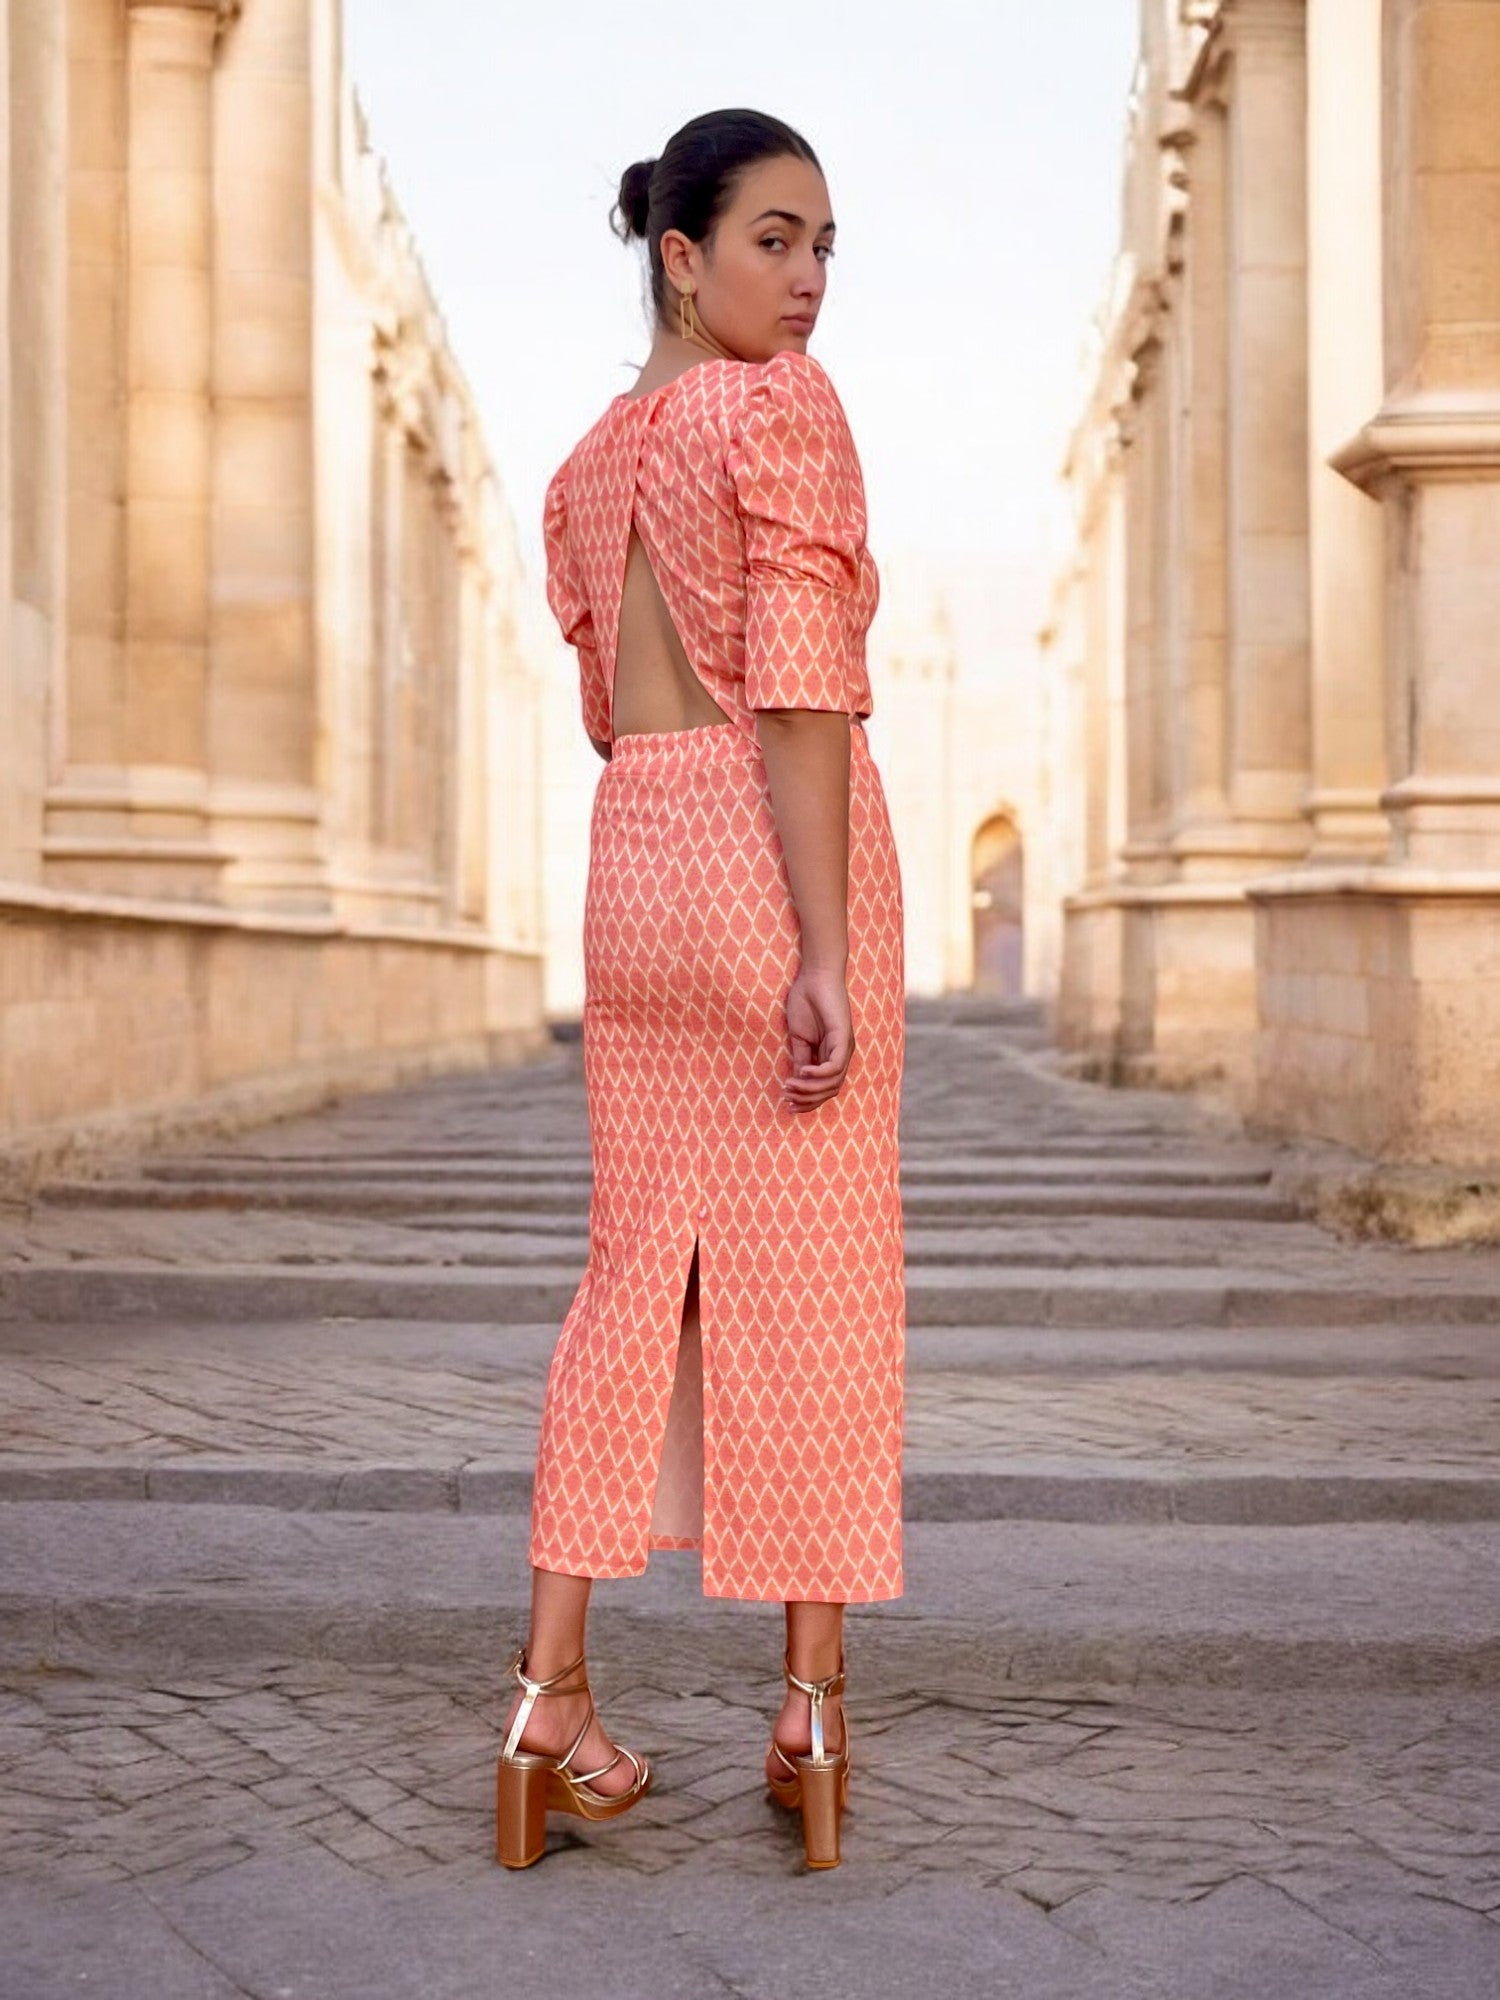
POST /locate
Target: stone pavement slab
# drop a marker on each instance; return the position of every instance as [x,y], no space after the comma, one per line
[320,1830]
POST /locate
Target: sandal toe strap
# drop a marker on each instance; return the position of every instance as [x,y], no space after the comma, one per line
[779,1752]
[587,1777]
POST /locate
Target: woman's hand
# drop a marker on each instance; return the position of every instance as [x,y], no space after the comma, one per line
[822,1038]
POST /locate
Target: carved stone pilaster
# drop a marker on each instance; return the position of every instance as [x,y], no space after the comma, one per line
[135,817]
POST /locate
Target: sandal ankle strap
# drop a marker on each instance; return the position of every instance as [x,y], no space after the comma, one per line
[822,1687]
[517,1667]
[533,1689]
[830,1684]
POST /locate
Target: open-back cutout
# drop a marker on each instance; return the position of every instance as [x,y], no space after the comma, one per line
[655,686]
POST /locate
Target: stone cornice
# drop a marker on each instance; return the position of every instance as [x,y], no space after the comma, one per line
[23,898]
[1175,143]
[1349,879]
[1204,85]
[1111,895]
[402,367]
[224,11]
[1255,21]
[221,14]
[1236,24]
[1424,443]
[1376,878]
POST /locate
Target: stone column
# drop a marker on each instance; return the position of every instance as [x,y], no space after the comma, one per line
[1091,973]
[1380,1022]
[128,812]
[266,772]
[1144,443]
[1267,523]
[1104,669]
[1433,451]
[33,415]
[1345,361]
[169,308]
[1200,843]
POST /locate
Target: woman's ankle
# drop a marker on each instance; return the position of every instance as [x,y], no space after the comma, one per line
[545,1663]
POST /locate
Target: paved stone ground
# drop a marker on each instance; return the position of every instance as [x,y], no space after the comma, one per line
[182,1393]
[1192,1690]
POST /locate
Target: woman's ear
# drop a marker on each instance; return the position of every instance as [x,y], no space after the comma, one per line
[677,257]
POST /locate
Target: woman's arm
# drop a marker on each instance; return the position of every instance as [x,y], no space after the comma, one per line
[800,499]
[807,768]
[807,773]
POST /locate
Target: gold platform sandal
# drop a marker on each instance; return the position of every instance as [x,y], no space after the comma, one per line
[818,1783]
[529,1782]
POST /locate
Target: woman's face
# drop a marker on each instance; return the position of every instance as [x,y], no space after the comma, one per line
[758,279]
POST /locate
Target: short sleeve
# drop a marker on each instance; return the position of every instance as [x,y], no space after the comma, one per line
[801,502]
[570,605]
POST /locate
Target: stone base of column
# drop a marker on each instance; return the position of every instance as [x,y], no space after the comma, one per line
[1347,825]
[1158,986]
[385,888]
[166,834]
[137,830]
[1379,1029]
[274,847]
[1090,989]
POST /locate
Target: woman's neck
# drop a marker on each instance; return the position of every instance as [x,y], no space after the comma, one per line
[671,354]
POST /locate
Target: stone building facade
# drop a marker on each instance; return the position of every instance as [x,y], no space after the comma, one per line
[1273,663]
[269,802]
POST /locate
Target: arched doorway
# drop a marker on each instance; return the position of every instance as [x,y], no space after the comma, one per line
[996,875]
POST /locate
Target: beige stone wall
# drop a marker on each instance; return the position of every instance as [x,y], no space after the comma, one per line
[268,794]
[1294,402]
[173,1022]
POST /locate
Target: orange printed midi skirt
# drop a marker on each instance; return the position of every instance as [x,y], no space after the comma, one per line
[773,1444]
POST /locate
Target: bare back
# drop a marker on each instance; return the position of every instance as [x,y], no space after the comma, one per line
[655,687]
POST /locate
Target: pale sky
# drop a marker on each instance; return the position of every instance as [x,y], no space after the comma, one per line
[972,150]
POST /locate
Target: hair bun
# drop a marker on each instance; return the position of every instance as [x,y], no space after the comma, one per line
[635,196]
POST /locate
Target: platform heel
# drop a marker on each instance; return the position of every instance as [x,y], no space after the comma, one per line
[816,1784]
[530,1783]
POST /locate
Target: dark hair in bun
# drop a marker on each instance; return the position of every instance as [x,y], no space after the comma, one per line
[634,204]
[693,182]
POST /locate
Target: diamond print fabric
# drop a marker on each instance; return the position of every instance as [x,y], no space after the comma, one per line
[745,488]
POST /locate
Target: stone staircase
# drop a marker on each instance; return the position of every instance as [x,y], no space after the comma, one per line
[283,1394]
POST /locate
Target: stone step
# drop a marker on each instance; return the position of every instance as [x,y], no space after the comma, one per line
[95,1585]
[1412,1351]
[346,1193]
[212,1235]
[952,1170]
[1254,1424]
[1218,1296]
[937,1486]
[1083,1142]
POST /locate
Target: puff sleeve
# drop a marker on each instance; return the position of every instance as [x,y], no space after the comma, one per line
[568,599]
[800,498]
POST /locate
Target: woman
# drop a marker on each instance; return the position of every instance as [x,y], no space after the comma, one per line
[729,1375]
